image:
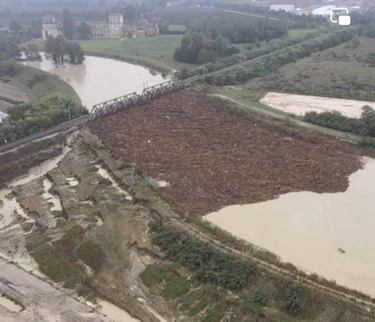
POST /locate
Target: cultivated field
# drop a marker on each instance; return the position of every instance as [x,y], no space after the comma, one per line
[10,95]
[179,14]
[213,156]
[342,72]
[30,85]
[300,104]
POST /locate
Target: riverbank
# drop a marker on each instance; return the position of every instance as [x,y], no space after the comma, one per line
[101,239]
[152,52]
[96,73]
[35,83]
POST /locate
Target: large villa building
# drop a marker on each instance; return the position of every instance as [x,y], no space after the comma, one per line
[113,28]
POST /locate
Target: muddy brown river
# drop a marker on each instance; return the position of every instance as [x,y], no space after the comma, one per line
[331,234]
[100,79]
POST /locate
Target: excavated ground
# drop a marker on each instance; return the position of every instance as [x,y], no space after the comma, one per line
[213,156]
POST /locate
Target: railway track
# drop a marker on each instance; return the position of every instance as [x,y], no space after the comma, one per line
[132,99]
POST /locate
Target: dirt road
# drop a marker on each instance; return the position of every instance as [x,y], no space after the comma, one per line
[40,300]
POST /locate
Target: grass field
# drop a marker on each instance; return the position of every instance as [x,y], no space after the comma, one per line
[342,72]
[38,84]
[179,15]
[177,27]
[292,33]
[153,51]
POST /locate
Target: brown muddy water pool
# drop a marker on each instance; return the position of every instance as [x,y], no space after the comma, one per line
[331,234]
[101,79]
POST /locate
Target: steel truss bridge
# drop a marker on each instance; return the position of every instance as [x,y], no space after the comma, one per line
[120,103]
[101,110]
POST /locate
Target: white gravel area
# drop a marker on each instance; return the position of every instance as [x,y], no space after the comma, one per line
[300,104]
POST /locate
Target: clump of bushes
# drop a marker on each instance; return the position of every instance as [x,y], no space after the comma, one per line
[292,298]
[52,110]
[363,126]
[211,265]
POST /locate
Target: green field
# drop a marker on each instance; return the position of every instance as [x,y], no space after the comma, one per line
[177,27]
[156,52]
[152,51]
[37,84]
[342,72]
[292,33]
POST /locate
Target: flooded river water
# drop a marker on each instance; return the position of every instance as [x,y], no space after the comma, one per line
[332,235]
[100,79]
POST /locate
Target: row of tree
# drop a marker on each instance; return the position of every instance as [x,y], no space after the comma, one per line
[365,21]
[27,120]
[248,55]
[211,265]
[198,48]
[58,50]
[8,49]
[363,126]
[275,60]
[31,51]
[239,29]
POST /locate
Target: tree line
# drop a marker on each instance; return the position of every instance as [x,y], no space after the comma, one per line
[273,61]
[198,48]
[58,50]
[210,38]
[239,29]
[366,23]
[27,119]
[363,126]
[300,21]
[251,53]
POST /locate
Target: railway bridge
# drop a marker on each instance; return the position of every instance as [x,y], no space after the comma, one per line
[103,109]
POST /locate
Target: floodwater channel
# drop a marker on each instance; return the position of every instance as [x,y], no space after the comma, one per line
[330,234]
[101,79]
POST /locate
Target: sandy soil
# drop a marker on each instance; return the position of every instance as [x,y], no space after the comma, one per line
[300,104]
[213,156]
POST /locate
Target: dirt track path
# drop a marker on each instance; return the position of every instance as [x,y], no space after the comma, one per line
[273,269]
[42,301]
[255,107]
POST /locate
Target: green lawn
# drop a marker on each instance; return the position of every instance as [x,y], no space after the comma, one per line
[292,33]
[342,72]
[177,27]
[38,84]
[153,51]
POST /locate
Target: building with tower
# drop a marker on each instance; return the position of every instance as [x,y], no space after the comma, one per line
[113,28]
[50,27]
